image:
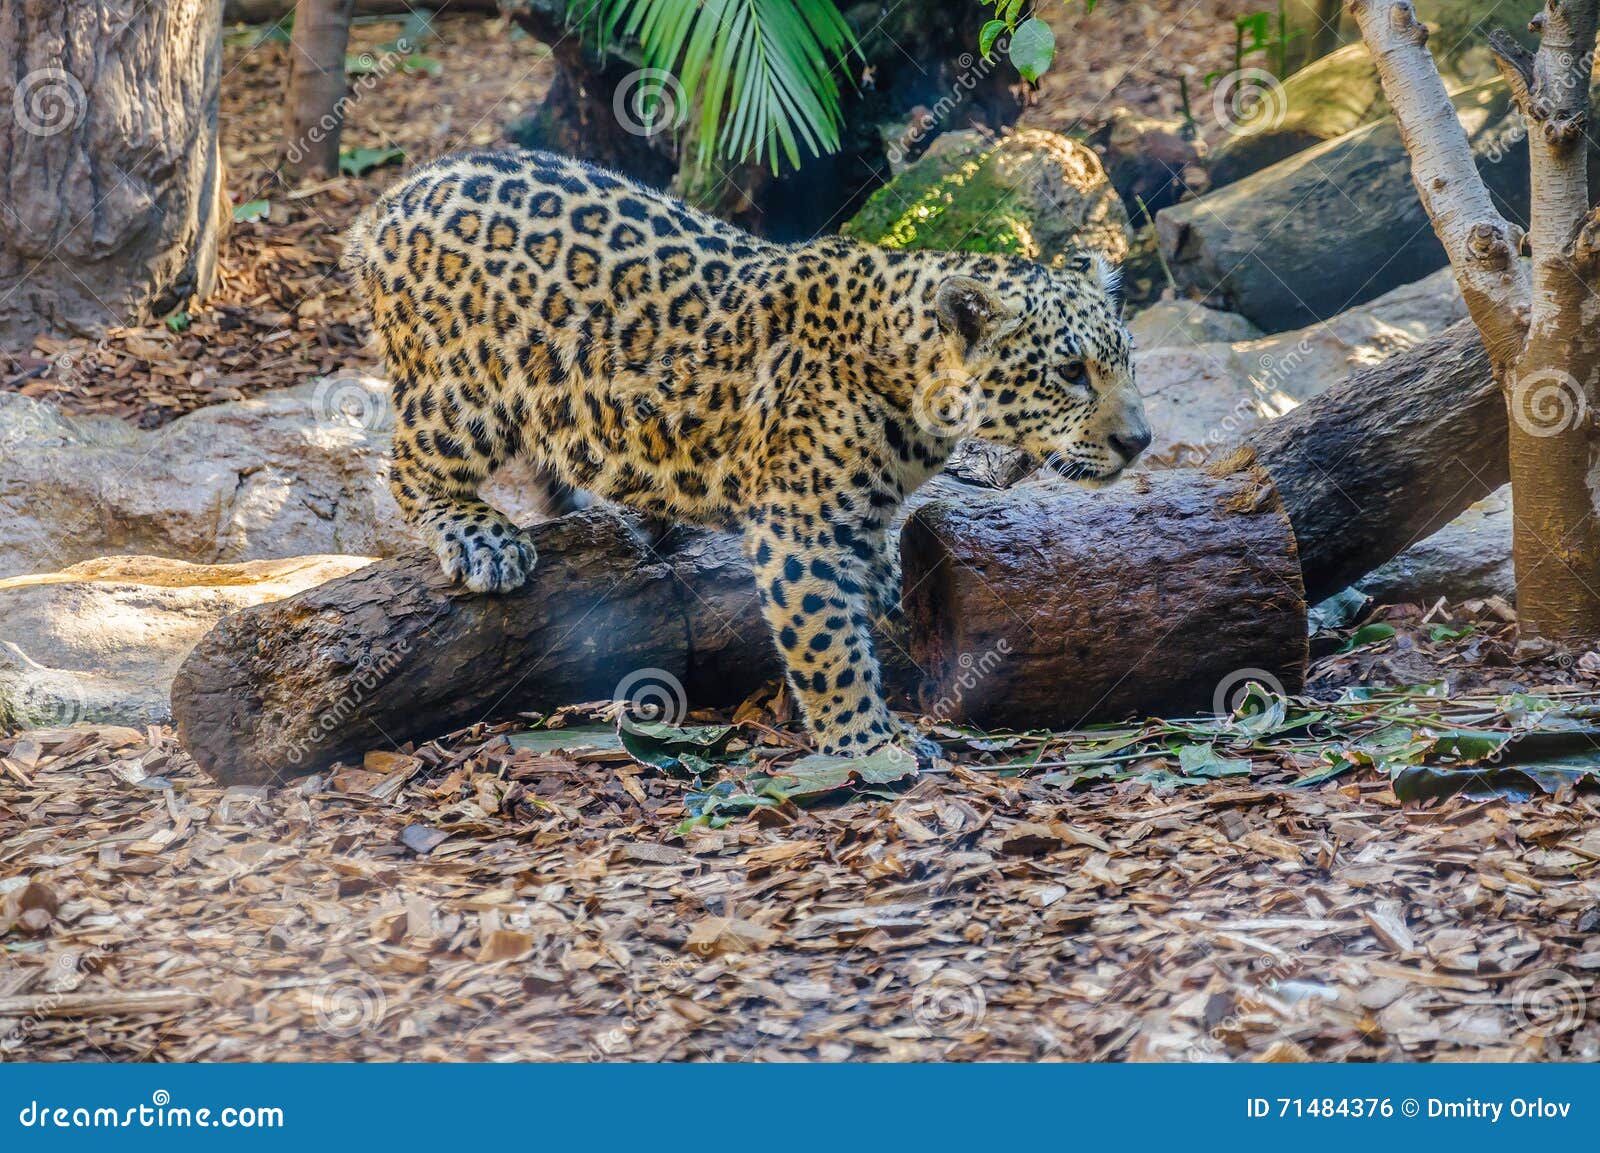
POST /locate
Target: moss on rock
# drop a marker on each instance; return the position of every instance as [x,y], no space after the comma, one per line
[1034,194]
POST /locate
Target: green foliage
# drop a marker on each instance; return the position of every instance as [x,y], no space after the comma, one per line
[360,161]
[1032,45]
[759,73]
[1262,32]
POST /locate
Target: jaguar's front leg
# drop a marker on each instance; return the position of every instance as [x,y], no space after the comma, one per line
[820,608]
[883,591]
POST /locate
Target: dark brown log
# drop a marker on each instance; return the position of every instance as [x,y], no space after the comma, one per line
[109,165]
[317,87]
[1345,210]
[1387,456]
[395,652]
[1051,606]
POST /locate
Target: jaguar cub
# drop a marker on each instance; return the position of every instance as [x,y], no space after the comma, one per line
[532,305]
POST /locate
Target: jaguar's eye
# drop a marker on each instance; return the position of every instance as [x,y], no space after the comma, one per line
[1075,372]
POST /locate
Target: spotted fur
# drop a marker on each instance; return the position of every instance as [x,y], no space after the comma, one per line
[531,305]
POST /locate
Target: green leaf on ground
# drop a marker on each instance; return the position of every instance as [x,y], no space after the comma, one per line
[684,751]
[1204,761]
[360,161]
[252,210]
[817,774]
[1368,635]
[568,739]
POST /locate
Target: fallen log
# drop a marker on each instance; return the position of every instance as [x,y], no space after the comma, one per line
[1053,606]
[395,652]
[1346,209]
[1387,457]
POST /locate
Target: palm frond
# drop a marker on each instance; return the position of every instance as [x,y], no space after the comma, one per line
[759,73]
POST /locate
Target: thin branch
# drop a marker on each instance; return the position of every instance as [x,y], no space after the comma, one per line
[1481,243]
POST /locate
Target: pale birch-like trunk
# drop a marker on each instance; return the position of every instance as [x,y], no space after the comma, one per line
[1540,319]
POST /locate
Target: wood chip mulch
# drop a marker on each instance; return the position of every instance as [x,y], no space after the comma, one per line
[475,900]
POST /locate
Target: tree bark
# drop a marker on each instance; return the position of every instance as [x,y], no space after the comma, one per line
[1052,606]
[316,88]
[1540,330]
[109,163]
[1555,386]
[1387,456]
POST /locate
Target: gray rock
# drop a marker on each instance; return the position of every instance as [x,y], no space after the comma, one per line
[1202,395]
[1184,323]
[101,641]
[1467,559]
[298,472]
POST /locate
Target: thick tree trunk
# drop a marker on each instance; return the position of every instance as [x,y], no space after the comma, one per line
[1052,606]
[1387,456]
[317,88]
[1555,385]
[109,164]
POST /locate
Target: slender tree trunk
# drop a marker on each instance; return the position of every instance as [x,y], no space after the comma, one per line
[110,173]
[317,87]
[1540,326]
[1555,542]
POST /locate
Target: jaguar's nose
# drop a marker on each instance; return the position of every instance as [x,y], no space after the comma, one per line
[1131,444]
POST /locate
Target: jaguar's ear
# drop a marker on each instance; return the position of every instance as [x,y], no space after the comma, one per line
[1110,277]
[973,313]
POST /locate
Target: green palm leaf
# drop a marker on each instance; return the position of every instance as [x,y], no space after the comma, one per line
[761,73]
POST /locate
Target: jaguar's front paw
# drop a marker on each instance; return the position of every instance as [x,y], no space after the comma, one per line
[486,562]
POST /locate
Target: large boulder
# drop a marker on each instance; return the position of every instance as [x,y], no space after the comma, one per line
[101,641]
[1339,92]
[297,472]
[1209,377]
[1032,193]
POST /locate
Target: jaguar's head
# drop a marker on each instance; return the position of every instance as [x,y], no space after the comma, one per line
[1046,363]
